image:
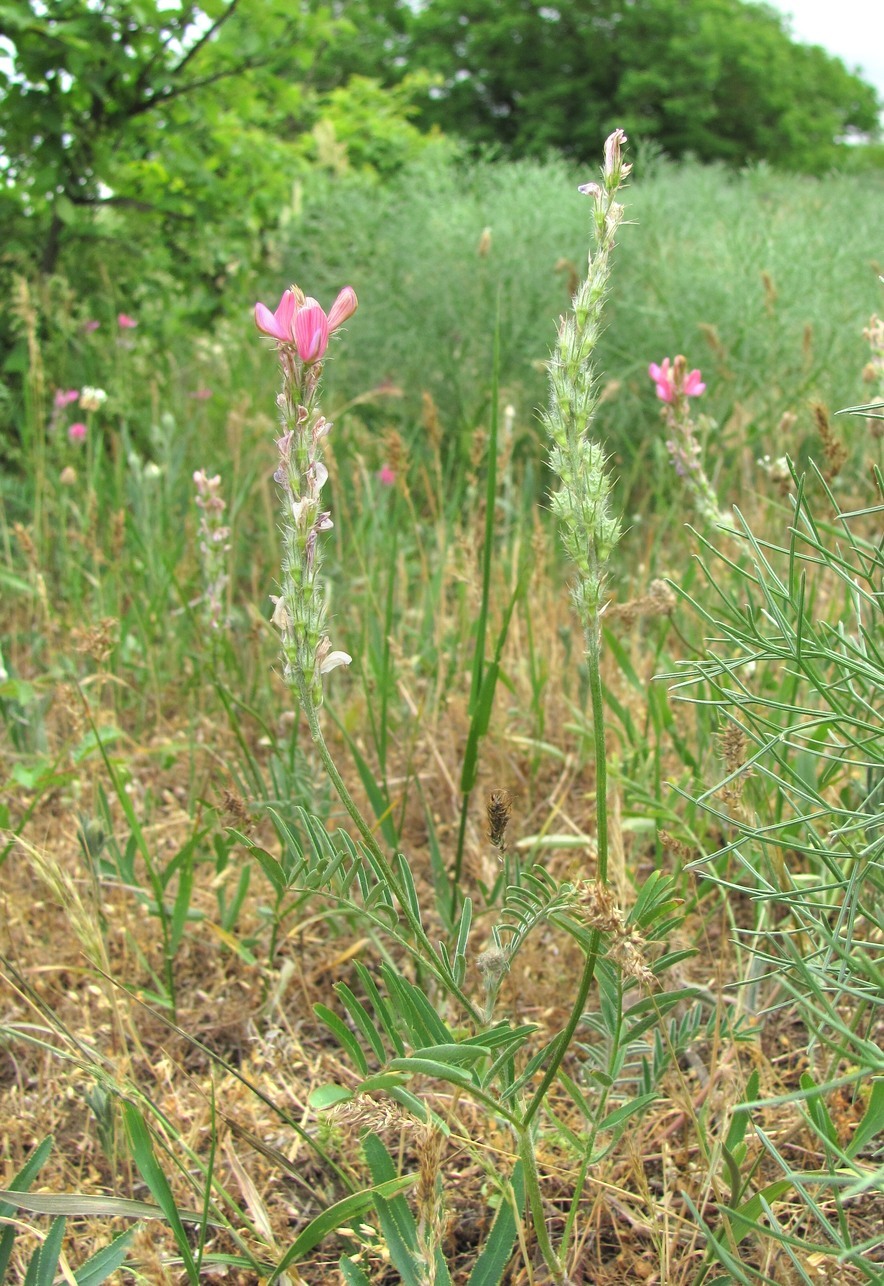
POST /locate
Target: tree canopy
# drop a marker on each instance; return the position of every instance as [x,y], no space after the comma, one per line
[179,128]
[720,79]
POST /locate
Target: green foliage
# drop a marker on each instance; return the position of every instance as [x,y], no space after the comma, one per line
[153,147]
[720,79]
[794,669]
[43,1264]
[429,298]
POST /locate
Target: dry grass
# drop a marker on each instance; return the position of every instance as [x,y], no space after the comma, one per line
[78,956]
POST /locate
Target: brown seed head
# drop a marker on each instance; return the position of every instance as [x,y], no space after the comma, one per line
[500,808]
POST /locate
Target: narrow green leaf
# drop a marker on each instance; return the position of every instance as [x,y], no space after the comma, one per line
[872,1123]
[454,1054]
[343,1035]
[407,879]
[271,868]
[182,906]
[441,1071]
[740,1119]
[151,1172]
[397,1222]
[105,1261]
[44,1261]
[352,1273]
[340,1213]
[363,1019]
[819,1113]
[20,1183]
[623,1113]
[751,1211]
[84,1206]
[463,929]
[495,1254]
[422,1023]
[326,1096]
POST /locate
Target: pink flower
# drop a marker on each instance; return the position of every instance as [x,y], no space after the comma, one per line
[300,320]
[64,397]
[201,394]
[663,379]
[311,333]
[386,475]
[693,385]
[77,431]
[125,322]
[278,325]
[90,326]
[672,381]
[343,308]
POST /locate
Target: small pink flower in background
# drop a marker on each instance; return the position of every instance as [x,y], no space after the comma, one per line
[64,397]
[386,475]
[300,320]
[90,326]
[77,431]
[672,382]
[693,385]
[125,322]
[201,394]
[662,378]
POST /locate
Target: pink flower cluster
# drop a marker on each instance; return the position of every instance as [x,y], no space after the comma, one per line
[90,399]
[672,380]
[300,320]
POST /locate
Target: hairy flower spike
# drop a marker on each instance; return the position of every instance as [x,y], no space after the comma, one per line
[302,329]
[589,528]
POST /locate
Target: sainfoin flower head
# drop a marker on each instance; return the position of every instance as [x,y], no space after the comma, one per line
[300,320]
[693,385]
[673,380]
[663,379]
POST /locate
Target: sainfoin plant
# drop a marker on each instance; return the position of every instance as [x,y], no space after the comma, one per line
[415,1036]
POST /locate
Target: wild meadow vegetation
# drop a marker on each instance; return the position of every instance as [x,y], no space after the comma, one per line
[443,804]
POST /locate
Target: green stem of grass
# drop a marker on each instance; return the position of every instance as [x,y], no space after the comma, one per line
[593,656]
[535,1205]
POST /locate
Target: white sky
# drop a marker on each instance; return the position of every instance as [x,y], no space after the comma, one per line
[852,29]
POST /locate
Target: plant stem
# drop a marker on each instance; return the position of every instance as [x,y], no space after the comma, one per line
[535,1205]
[593,656]
[592,633]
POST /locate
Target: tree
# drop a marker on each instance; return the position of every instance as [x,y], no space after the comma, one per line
[718,78]
[173,131]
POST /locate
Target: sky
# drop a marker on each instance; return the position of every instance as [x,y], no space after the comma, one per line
[852,29]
